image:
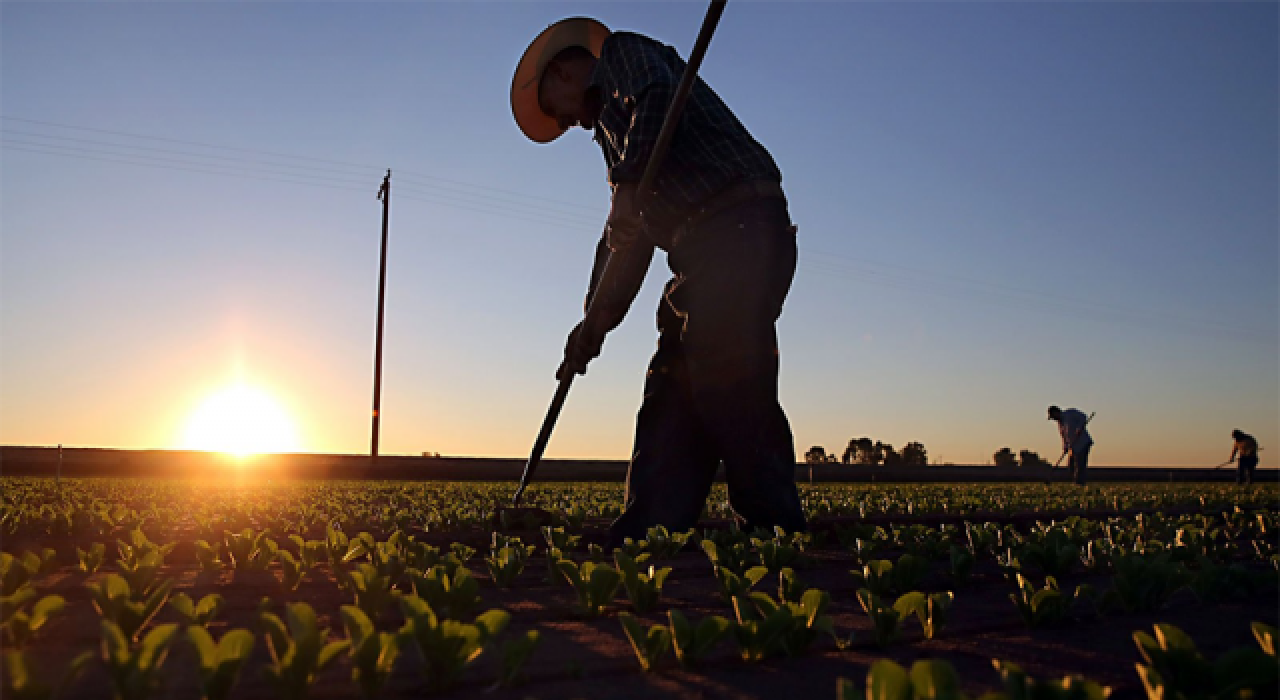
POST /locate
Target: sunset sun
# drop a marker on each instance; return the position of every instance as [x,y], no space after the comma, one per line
[240,420]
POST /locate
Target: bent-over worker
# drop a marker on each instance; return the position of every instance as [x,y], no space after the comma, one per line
[1076,441]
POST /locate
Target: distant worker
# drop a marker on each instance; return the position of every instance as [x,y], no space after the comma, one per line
[1076,441]
[718,211]
[1247,449]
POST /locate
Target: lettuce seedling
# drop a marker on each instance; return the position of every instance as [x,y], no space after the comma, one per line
[207,555]
[1175,668]
[930,609]
[515,653]
[1145,583]
[448,646]
[20,684]
[114,602]
[790,587]
[876,576]
[776,554]
[22,626]
[298,651]
[649,646]
[733,586]
[731,556]
[197,614]
[595,584]
[886,621]
[1019,686]
[220,662]
[642,590]
[557,538]
[373,653]
[91,560]
[759,636]
[450,596]
[371,588]
[135,672]
[507,559]
[291,570]
[663,544]
[250,551]
[1044,607]
[692,642]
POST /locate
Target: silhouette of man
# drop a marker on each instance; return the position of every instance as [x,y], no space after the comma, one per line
[719,213]
[1247,448]
[1076,440]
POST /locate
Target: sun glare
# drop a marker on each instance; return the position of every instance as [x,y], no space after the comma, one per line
[241,421]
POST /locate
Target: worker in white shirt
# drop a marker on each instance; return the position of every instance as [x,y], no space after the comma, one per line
[1076,440]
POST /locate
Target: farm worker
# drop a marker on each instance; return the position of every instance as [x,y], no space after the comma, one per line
[1247,448]
[718,212]
[1076,440]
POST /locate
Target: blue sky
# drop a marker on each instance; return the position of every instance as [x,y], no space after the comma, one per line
[1001,206]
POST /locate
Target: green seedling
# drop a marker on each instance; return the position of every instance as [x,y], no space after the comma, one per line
[220,662]
[732,556]
[595,584]
[23,626]
[1145,583]
[20,684]
[507,559]
[776,554]
[758,635]
[291,570]
[10,605]
[1175,668]
[557,538]
[663,544]
[1044,607]
[115,603]
[733,586]
[1054,554]
[692,642]
[370,587]
[642,589]
[207,555]
[91,560]
[141,572]
[310,552]
[650,646]
[930,609]
[192,614]
[927,680]
[298,651]
[250,551]
[373,653]
[634,548]
[336,545]
[135,672]
[962,561]
[790,587]
[453,596]
[448,646]
[515,654]
[16,572]
[1019,686]
[876,576]
[886,621]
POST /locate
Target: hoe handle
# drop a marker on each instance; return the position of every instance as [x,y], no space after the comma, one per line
[607,276]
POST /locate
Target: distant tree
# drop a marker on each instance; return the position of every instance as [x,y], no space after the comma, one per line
[1005,457]
[888,455]
[915,454]
[1028,460]
[860,451]
[816,455]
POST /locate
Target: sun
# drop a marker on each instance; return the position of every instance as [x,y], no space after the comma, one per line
[240,420]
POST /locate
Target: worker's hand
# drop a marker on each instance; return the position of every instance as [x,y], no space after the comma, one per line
[582,347]
[625,224]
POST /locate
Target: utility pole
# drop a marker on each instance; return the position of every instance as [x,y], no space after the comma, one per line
[384,193]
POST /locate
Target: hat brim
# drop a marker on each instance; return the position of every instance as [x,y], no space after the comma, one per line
[574,31]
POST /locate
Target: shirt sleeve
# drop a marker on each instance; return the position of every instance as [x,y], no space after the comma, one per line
[635,72]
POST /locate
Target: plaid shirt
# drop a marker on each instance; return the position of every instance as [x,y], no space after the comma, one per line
[637,78]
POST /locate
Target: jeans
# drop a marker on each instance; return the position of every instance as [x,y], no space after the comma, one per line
[1244,470]
[711,391]
[1079,463]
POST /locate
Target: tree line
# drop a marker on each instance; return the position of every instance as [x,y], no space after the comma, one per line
[864,450]
[1004,457]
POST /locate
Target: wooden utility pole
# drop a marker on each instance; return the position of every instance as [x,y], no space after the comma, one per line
[384,193]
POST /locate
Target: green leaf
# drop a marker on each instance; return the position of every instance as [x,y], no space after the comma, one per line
[935,680]
[887,680]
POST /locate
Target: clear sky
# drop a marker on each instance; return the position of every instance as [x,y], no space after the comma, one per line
[1001,206]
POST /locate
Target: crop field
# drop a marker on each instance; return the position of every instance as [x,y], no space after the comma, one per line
[244,588]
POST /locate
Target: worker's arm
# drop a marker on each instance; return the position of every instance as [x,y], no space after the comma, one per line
[615,287]
[1234,449]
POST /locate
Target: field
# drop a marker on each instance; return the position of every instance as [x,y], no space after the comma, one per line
[334,589]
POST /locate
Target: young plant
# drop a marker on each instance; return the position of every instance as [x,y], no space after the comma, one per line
[197,614]
[91,560]
[692,642]
[20,684]
[135,672]
[663,544]
[733,586]
[207,555]
[298,651]
[1175,668]
[220,662]
[1054,554]
[1145,583]
[1019,686]
[22,626]
[930,609]
[642,590]
[515,653]
[557,538]
[790,587]
[507,559]
[886,621]
[250,551]
[291,569]
[731,556]
[1045,607]
[373,653]
[759,635]
[371,588]
[776,554]
[595,584]
[114,602]
[927,680]
[876,576]
[649,646]
[453,596]
[448,646]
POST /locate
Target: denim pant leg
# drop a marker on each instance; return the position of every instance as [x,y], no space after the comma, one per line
[1244,470]
[672,463]
[1079,463]
[734,275]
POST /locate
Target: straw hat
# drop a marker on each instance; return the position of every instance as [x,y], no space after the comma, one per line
[574,31]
